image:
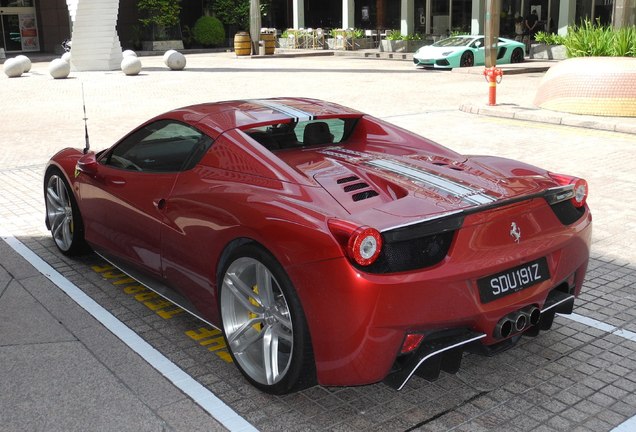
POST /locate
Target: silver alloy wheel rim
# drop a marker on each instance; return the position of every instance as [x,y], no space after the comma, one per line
[59,212]
[257,321]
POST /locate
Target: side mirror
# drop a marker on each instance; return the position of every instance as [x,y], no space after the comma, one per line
[87,164]
[477,44]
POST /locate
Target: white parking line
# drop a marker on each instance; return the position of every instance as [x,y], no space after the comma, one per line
[590,322]
[201,395]
[628,425]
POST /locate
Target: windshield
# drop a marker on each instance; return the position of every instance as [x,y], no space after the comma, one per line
[453,41]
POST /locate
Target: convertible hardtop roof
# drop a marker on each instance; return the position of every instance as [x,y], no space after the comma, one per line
[218,117]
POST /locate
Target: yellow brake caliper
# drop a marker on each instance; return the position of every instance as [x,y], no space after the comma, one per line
[258,326]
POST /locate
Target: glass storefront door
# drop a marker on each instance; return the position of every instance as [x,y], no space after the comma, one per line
[18,26]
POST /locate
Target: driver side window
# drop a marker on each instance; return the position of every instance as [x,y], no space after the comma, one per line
[162,146]
[478,43]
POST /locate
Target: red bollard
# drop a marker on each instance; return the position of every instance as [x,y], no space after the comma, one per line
[494,76]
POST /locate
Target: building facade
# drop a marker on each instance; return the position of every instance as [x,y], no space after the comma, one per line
[42,25]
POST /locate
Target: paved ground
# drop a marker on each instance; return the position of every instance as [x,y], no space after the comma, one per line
[63,370]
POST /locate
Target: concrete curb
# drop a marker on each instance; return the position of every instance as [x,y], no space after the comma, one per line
[511,111]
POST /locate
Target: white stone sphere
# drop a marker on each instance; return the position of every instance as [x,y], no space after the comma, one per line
[129,53]
[131,65]
[13,68]
[175,61]
[66,57]
[58,68]
[167,54]
[26,63]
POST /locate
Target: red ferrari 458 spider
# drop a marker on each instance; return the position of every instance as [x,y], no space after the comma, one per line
[327,244]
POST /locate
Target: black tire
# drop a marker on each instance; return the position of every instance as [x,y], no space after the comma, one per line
[63,217]
[249,332]
[467,59]
[516,56]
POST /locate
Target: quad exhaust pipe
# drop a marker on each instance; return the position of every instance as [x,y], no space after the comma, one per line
[516,322]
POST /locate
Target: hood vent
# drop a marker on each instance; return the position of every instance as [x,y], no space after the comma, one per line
[353,183]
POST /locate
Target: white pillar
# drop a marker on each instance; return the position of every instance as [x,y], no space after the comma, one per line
[477,21]
[348,14]
[298,7]
[567,10]
[407,17]
[95,43]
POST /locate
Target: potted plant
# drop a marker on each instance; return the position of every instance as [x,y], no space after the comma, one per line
[351,39]
[550,46]
[160,18]
[397,42]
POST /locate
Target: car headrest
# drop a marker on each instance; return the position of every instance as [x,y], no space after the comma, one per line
[317,133]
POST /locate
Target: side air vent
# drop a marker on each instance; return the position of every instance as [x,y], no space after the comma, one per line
[347,179]
[354,183]
[364,195]
[355,187]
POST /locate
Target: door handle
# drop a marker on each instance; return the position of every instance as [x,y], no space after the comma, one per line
[117,181]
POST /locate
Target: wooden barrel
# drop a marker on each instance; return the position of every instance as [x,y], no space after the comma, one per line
[242,44]
[269,42]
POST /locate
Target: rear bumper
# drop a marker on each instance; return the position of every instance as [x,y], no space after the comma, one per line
[358,321]
[444,350]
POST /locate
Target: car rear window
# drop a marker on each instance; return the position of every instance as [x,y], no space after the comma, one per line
[281,136]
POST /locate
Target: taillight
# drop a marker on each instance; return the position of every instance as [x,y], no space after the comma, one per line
[362,244]
[579,185]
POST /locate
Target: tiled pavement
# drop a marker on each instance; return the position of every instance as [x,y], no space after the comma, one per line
[574,377]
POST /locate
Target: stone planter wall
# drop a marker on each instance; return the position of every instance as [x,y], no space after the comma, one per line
[350,43]
[547,52]
[162,45]
[401,45]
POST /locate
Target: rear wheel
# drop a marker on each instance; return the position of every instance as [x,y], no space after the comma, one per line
[467,59]
[516,56]
[263,322]
[62,214]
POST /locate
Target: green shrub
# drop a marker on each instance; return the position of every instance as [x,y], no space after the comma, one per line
[394,35]
[163,13]
[549,38]
[589,39]
[356,33]
[624,42]
[412,37]
[397,35]
[209,31]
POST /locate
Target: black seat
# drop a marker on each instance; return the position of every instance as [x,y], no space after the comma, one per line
[265,139]
[317,133]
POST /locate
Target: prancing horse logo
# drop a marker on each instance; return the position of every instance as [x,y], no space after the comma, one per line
[515,232]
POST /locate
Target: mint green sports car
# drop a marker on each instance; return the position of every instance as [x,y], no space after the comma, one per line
[466,51]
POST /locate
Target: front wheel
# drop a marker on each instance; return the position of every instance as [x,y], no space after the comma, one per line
[62,214]
[263,322]
[467,59]
[516,56]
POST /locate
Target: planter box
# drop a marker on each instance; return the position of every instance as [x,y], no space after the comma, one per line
[401,45]
[350,43]
[548,52]
[162,45]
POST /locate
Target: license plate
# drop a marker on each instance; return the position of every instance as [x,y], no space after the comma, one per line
[512,280]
